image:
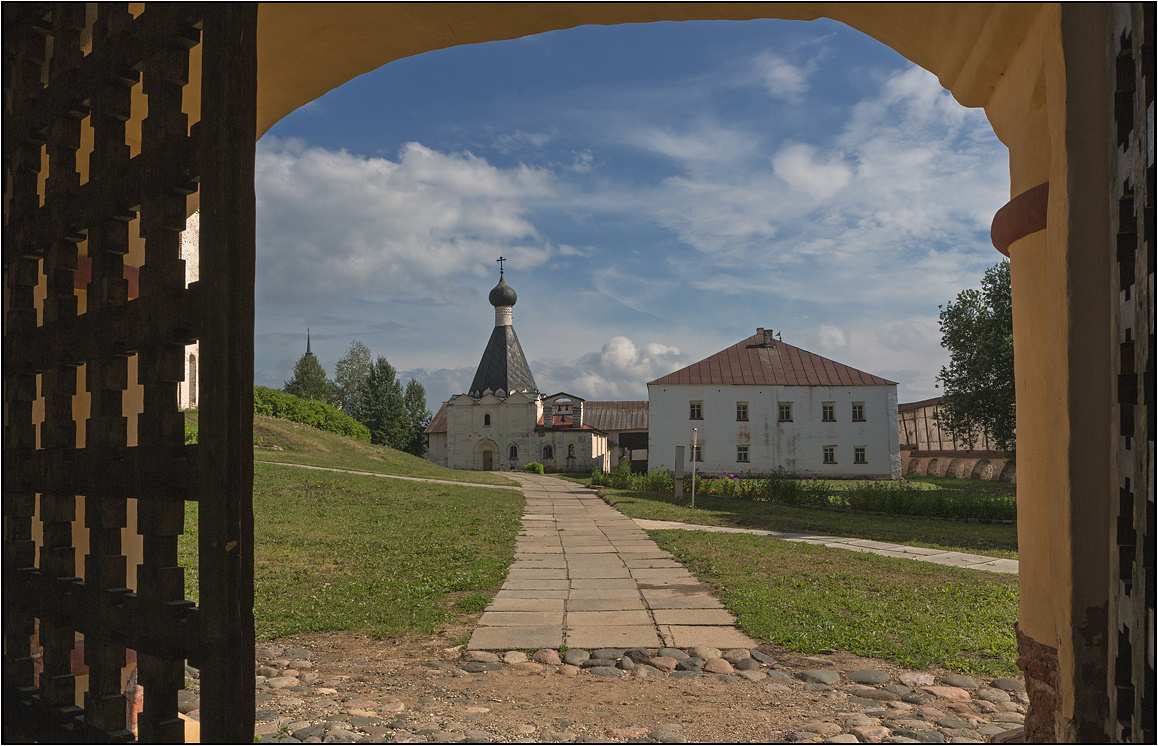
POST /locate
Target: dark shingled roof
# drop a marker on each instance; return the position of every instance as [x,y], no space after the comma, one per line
[438,424]
[503,367]
[753,363]
[615,415]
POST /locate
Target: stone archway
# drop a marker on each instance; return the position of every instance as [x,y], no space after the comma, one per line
[486,455]
[1041,72]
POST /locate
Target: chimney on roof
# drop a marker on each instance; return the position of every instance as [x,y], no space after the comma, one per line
[766,336]
[577,414]
[549,413]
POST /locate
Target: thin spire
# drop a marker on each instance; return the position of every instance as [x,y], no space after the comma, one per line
[308,341]
[500,260]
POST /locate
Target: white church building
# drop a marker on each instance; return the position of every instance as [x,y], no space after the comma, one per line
[762,405]
[504,422]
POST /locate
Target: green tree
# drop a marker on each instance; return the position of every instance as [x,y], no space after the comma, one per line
[350,376]
[309,380]
[977,330]
[417,416]
[385,408]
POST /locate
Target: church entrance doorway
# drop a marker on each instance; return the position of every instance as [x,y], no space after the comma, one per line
[488,461]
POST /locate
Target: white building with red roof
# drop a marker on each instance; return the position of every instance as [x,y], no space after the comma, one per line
[762,405]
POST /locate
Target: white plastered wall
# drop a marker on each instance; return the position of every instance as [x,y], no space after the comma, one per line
[796,447]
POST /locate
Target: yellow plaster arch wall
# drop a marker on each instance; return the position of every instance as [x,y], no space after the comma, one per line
[1006,58]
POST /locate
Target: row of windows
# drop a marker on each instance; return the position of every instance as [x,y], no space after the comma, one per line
[548,451]
[784,411]
[859,454]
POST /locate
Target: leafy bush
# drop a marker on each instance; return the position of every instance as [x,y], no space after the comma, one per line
[897,498]
[533,468]
[308,412]
[621,479]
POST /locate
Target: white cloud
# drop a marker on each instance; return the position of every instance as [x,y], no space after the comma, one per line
[332,224]
[900,195]
[703,141]
[832,339]
[781,78]
[797,164]
[518,141]
[619,370]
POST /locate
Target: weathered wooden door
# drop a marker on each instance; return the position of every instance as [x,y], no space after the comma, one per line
[488,460]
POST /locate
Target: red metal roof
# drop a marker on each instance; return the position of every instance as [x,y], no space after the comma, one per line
[753,363]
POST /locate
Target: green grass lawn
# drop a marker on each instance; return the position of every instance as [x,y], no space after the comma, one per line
[994,539]
[350,552]
[306,445]
[811,599]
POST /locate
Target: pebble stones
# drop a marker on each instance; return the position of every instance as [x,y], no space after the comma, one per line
[310,705]
[817,676]
[869,677]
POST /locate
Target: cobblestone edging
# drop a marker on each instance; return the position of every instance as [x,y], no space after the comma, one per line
[299,701]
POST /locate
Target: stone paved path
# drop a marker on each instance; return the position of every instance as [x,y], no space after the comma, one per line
[922,554]
[586,576]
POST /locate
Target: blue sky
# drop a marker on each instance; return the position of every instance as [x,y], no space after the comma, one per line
[661,190]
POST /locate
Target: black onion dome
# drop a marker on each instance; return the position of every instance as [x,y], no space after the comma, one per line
[502,294]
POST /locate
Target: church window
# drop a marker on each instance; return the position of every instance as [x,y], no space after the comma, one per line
[785,411]
[858,412]
[698,453]
[830,454]
[741,411]
[828,412]
[696,410]
[570,450]
[514,452]
[858,455]
[548,451]
[742,454]
[486,420]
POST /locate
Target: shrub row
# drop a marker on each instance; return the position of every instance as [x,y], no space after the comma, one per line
[898,498]
[308,412]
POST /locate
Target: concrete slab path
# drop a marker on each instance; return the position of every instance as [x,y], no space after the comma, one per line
[587,576]
[921,554]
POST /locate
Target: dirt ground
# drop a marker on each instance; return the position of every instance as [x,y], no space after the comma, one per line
[519,698]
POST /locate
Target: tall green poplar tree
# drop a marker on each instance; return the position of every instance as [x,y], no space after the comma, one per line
[417,416]
[977,329]
[385,408]
[350,376]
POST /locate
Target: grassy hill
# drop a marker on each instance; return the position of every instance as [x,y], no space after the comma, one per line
[336,551]
[292,443]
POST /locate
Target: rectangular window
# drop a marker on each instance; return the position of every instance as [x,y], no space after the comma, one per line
[698,453]
[785,412]
[741,411]
[830,454]
[828,412]
[742,454]
[858,411]
[697,410]
[858,455]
